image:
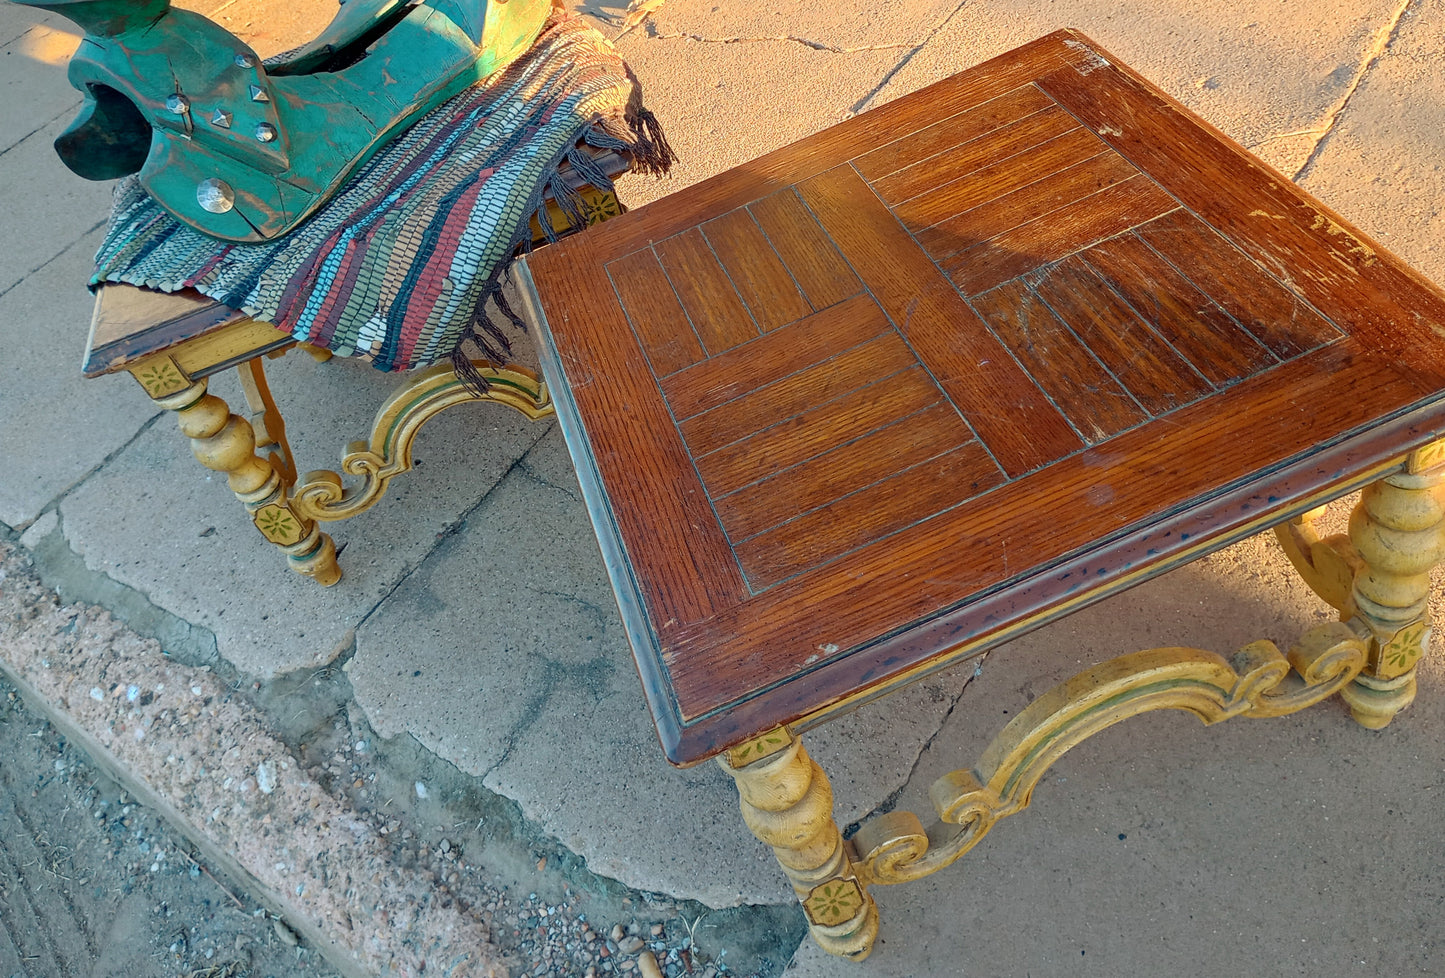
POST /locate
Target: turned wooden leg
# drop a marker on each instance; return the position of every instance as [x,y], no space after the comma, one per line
[226,442]
[1398,532]
[787,803]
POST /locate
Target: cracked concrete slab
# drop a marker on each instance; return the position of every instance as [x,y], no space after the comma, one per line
[49,209]
[155,520]
[1382,166]
[733,107]
[16,20]
[503,654]
[1298,845]
[33,86]
[46,451]
[1257,71]
[847,24]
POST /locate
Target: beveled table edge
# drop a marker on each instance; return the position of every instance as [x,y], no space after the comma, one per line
[635,621]
[196,315]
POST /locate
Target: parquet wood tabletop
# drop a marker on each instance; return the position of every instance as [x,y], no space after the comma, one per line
[890,395]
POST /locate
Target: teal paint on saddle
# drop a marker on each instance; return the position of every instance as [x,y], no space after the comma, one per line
[244,151]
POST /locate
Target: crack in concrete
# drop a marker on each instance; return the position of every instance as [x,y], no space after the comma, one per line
[55,118]
[589,675]
[600,616]
[1383,39]
[862,103]
[452,529]
[541,480]
[891,802]
[59,497]
[79,238]
[806,42]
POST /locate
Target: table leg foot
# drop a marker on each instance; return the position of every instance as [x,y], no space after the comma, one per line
[1374,702]
[1398,532]
[787,802]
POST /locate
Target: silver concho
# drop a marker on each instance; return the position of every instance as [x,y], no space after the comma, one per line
[215,195]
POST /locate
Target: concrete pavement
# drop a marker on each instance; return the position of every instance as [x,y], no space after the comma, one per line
[475,617]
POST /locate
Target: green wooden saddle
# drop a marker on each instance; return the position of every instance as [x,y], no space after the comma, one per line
[244,151]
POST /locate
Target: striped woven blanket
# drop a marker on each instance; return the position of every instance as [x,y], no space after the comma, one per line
[397,268]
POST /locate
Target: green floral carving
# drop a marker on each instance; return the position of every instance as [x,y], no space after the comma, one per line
[606,206]
[760,747]
[1407,645]
[834,902]
[161,378]
[278,524]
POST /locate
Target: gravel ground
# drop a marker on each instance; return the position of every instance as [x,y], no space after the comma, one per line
[119,885]
[91,883]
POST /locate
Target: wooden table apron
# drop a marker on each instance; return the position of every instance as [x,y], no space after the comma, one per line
[733,638]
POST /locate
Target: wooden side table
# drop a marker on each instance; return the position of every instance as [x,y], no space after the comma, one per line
[171,343]
[886,398]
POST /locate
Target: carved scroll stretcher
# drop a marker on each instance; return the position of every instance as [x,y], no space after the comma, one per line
[787,802]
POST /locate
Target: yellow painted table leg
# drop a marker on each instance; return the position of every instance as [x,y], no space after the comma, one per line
[1398,533]
[225,442]
[787,802]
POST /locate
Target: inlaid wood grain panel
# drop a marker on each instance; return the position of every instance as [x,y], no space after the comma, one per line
[820,383]
[1279,318]
[854,465]
[1039,198]
[1096,404]
[964,359]
[657,317]
[707,293]
[819,429]
[1149,368]
[774,356]
[1056,235]
[1216,344]
[761,278]
[975,154]
[1012,416]
[965,191]
[957,130]
[805,249]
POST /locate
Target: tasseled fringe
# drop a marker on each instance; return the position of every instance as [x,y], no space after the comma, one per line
[570,201]
[653,154]
[588,169]
[487,338]
[638,137]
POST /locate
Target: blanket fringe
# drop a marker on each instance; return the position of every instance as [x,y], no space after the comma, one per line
[487,338]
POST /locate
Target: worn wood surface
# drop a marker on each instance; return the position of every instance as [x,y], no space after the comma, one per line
[961,363]
[130,324]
